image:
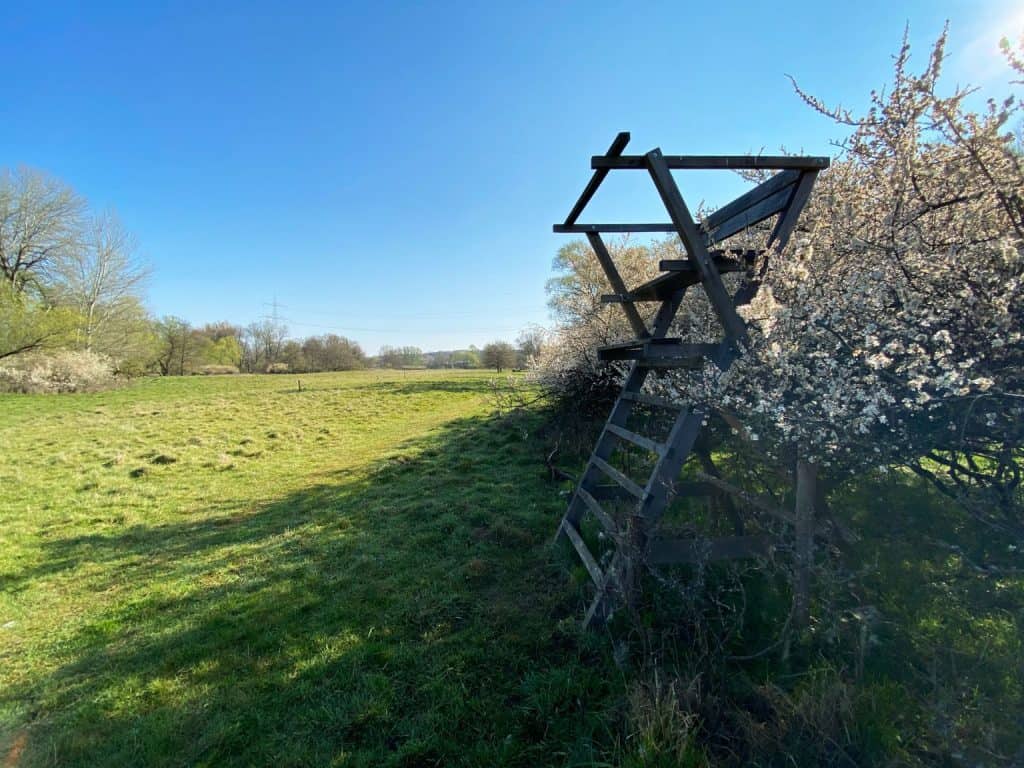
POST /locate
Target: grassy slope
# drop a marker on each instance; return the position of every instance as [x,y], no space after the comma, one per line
[228,571]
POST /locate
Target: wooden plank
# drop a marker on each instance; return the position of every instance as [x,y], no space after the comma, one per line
[678,446]
[581,229]
[660,355]
[784,227]
[619,144]
[633,343]
[638,440]
[757,502]
[603,517]
[750,217]
[694,243]
[581,548]
[608,265]
[748,199]
[673,551]
[733,260]
[658,402]
[712,162]
[609,492]
[618,477]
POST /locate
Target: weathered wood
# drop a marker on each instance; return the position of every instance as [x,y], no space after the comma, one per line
[785,193]
[752,499]
[638,440]
[731,260]
[581,548]
[619,144]
[610,492]
[663,286]
[694,243]
[582,229]
[626,482]
[683,551]
[598,511]
[631,343]
[713,162]
[679,443]
[608,265]
[806,484]
[786,223]
[678,354]
[750,217]
[749,199]
[721,499]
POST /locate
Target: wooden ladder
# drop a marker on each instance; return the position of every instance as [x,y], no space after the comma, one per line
[635,540]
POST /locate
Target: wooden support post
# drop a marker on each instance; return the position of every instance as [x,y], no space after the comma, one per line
[608,265]
[806,490]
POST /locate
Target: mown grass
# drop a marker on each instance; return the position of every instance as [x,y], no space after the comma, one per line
[231,571]
[228,571]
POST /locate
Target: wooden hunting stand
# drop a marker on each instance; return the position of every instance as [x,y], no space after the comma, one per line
[634,534]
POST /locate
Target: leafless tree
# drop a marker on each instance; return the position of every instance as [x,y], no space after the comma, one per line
[40,219]
[102,278]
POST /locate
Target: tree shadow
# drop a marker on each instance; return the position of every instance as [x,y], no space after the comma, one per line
[413,616]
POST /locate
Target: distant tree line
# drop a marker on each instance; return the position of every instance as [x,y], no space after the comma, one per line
[71,286]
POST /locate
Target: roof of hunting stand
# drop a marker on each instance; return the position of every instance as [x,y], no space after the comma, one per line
[757,205]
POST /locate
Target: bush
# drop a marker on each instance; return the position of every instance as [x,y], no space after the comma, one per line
[277,368]
[63,371]
[217,370]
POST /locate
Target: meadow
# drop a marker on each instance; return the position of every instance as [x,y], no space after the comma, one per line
[231,571]
[238,571]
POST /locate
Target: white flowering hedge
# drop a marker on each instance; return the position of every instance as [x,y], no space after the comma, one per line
[889,332]
[57,372]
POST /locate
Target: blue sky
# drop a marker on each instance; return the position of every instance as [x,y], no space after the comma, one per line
[391,171]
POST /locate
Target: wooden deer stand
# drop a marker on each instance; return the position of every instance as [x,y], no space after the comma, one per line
[634,535]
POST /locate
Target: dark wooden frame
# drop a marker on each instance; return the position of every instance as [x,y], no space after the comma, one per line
[636,544]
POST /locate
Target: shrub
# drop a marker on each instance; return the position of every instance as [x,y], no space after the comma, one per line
[62,371]
[277,368]
[217,370]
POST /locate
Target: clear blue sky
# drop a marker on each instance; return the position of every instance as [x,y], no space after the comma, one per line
[391,172]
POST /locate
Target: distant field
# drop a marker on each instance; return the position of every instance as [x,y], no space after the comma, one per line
[228,571]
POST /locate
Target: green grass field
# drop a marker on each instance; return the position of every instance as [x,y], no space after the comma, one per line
[231,571]
[228,571]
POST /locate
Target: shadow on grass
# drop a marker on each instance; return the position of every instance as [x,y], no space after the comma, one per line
[411,617]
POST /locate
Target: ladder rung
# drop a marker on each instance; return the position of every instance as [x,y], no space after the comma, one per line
[660,402]
[610,492]
[606,521]
[584,553]
[618,477]
[635,439]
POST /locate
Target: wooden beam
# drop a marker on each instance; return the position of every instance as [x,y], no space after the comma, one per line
[608,265]
[638,440]
[618,477]
[619,144]
[598,511]
[694,242]
[755,214]
[581,548]
[582,229]
[712,162]
[674,551]
[765,189]
[787,221]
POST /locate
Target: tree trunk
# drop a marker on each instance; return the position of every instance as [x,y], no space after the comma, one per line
[806,490]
